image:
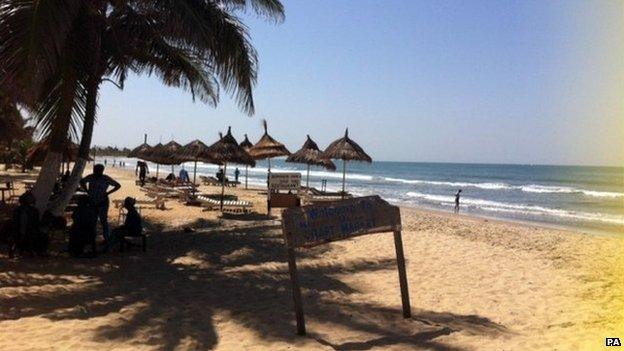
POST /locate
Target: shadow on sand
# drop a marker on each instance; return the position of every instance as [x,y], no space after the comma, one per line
[241,271]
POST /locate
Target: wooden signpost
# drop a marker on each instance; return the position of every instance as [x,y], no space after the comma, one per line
[315,225]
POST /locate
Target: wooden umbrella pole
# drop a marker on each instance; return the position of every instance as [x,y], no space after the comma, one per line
[308,178]
[157,166]
[223,184]
[246,169]
[172,169]
[344,172]
[194,172]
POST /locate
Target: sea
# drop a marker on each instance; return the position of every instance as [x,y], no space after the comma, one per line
[584,198]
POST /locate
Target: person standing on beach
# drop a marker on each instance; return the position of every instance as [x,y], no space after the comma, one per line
[236,174]
[142,170]
[96,185]
[457,195]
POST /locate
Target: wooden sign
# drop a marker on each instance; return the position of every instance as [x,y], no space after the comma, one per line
[314,225]
[285,181]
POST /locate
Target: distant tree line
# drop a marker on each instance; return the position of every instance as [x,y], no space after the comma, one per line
[109,151]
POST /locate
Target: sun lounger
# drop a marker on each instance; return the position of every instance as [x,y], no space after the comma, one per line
[229,206]
[157,203]
[209,180]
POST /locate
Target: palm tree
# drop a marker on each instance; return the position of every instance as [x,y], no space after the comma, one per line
[198,45]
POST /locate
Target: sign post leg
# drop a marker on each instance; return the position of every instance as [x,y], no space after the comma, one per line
[296,291]
[398,244]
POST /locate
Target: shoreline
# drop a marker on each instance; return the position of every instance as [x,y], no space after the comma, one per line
[470,216]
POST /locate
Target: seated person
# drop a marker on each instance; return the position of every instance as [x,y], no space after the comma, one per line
[171,177]
[27,235]
[132,227]
[220,174]
[83,229]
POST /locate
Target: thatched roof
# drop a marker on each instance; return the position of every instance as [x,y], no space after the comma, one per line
[37,153]
[227,150]
[268,147]
[311,155]
[346,149]
[246,144]
[140,150]
[168,154]
[192,151]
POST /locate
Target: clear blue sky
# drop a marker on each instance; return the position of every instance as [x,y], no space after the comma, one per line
[448,81]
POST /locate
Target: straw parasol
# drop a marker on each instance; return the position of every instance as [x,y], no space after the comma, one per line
[346,149]
[37,153]
[310,154]
[227,150]
[267,147]
[246,144]
[192,152]
[140,150]
[151,155]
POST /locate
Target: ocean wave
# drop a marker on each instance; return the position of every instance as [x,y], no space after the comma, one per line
[531,188]
[496,206]
[534,188]
[493,186]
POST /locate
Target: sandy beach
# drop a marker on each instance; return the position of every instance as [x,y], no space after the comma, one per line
[223,284]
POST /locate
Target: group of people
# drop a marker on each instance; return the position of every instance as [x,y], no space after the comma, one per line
[30,232]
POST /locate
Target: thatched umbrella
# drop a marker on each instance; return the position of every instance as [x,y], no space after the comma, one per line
[151,155]
[140,150]
[268,147]
[246,144]
[227,150]
[38,152]
[193,151]
[168,154]
[346,149]
[310,154]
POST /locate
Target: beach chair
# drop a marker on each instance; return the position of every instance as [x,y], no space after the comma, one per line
[209,180]
[229,206]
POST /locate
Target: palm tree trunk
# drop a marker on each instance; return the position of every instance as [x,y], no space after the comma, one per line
[69,189]
[58,137]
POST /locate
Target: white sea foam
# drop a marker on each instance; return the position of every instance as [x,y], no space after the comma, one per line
[496,206]
[531,188]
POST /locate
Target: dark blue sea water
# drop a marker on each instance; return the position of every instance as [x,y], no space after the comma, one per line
[586,198]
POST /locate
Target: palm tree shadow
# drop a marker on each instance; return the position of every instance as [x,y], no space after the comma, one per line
[168,296]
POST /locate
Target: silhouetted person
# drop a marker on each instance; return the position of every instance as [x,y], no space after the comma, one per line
[220,174]
[142,170]
[83,230]
[97,185]
[236,174]
[27,234]
[171,177]
[457,195]
[132,227]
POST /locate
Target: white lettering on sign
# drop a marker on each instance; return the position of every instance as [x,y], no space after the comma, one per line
[285,181]
[317,224]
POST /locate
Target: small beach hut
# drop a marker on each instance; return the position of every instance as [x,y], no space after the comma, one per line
[310,155]
[246,144]
[227,150]
[346,149]
[267,147]
[193,151]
